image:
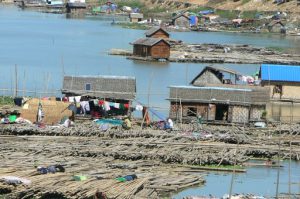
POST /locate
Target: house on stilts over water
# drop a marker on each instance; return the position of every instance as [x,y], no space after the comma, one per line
[216,95]
[154,46]
[104,95]
[284,84]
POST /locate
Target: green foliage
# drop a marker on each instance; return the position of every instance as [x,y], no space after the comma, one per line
[249,14]
[228,14]
[225,166]
[245,1]
[130,3]
[5,100]
[198,9]
[264,114]
[275,48]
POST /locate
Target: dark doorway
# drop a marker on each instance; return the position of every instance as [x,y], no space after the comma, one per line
[221,112]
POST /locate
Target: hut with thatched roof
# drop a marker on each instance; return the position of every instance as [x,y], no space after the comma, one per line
[114,89]
[214,98]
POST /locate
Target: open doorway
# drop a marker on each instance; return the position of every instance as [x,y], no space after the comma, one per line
[221,112]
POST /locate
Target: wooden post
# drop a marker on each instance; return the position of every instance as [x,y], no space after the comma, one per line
[16,81]
[278,170]
[180,113]
[290,161]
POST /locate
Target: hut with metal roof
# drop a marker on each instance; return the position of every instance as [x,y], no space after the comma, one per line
[105,87]
[216,100]
[156,48]
[283,82]
[114,89]
[157,32]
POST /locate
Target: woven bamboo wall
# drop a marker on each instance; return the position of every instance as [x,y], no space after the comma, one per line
[240,114]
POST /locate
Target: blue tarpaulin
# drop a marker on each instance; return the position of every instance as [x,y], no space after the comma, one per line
[193,20]
[114,122]
[284,73]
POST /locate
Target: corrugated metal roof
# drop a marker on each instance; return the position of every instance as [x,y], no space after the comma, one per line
[153,30]
[285,73]
[149,41]
[213,88]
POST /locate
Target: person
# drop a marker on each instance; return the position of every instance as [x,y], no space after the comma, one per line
[169,124]
[72,107]
[126,124]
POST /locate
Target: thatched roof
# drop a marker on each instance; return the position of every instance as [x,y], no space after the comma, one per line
[153,30]
[149,41]
[215,69]
[240,96]
[113,87]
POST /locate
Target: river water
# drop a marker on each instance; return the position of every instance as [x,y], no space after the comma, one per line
[257,180]
[44,47]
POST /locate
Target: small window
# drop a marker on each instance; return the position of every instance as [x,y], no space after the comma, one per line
[277,89]
[87,87]
[192,111]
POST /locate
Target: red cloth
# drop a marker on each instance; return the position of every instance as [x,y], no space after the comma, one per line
[101,102]
[126,106]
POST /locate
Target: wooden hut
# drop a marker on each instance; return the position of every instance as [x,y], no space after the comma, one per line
[157,32]
[108,87]
[215,96]
[224,104]
[76,6]
[215,75]
[181,21]
[136,17]
[117,89]
[276,26]
[156,48]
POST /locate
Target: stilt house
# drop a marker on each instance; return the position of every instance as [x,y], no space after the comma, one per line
[216,97]
[284,84]
[154,46]
[114,89]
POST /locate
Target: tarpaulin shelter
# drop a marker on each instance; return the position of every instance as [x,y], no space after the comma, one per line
[53,111]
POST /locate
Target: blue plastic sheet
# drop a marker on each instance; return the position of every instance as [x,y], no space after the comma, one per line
[114,122]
